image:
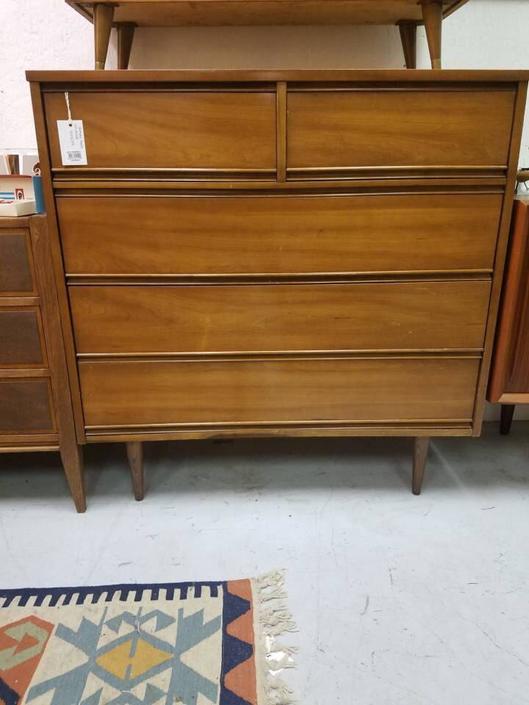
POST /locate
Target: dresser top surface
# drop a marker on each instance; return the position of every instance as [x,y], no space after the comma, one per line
[272,75]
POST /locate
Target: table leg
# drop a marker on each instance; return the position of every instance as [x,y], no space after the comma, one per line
[507,412]
[135,456]
[408,37]
[432,14]
[72,461]
[103,16]
[125,37]
[420,453]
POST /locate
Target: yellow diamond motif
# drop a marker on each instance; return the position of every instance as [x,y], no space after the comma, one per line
[119,660]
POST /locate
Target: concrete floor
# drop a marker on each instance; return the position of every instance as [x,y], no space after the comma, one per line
[400,600]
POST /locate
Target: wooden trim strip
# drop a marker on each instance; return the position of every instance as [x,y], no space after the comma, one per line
[236,355]
[123,436]
[23,438]
[74,78]
[283,424]
[28,449]
[513,398]
[88,279]
[23,373]
[57,262]
[281,131]
[15,302]
[321,186]
[291,356]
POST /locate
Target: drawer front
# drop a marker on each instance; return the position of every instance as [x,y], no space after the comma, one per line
[20,337]
[345,129]
[15,268]
[269,318]
[25,406]
[277,391]
[174,130]
[278,234]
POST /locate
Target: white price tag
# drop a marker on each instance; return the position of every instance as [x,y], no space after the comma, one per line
[71,141]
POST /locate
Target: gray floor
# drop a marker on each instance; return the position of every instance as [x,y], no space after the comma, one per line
[400,600]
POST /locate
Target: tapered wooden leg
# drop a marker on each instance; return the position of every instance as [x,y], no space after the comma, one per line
[72,461]
[135,456]
[125,37]
[507,412]
[103,16]
[408,37]
[420,453]
[432,14]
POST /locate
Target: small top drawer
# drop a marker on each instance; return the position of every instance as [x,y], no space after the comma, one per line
[399,128]
[215,130]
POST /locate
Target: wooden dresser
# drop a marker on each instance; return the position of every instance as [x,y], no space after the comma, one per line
[509,380]
[35,403]
[299,253]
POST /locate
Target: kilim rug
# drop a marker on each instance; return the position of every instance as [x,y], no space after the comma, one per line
[168,644]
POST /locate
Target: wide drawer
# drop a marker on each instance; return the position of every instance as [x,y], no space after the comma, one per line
[278,234]
[232,131]
[15,267]
[388,128]
[253,318]
[141,393]
[25,406]
[20,339]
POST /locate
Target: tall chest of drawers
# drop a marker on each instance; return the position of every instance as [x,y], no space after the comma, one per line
[296,253]
[35,403]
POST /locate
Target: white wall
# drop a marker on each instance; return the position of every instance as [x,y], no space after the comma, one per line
[48,34]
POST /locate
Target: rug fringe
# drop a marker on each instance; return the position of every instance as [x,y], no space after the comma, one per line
[272,619]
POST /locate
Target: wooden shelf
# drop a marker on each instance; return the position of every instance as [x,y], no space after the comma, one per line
[125,15]
[180,13]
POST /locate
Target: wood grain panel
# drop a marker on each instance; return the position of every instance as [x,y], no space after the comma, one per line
[15,268]
[399,128]
[20,342]
[25,406]
[173,130]
[277,391]
[198,319]
[510,372]
[278,234]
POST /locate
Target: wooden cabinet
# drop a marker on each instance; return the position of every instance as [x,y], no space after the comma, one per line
[280,253]
[35,402]
[509,381]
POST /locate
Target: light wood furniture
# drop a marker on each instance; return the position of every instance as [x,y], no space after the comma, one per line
[35,403]
[126,15]
[304,253]
[509,381]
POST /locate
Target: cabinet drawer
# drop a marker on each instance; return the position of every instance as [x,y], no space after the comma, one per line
[25,406]
[278,234]
[269,318]
[399,128]
[232,131]
[277,391]
[20,337]
[15,268]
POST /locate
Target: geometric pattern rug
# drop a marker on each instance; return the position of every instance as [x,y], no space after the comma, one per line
[194,643]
